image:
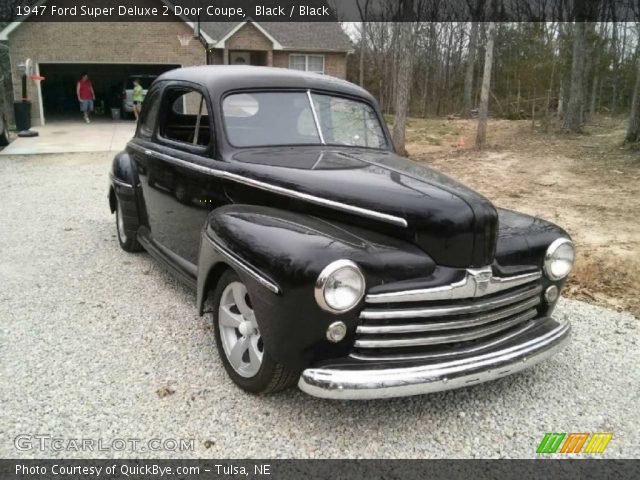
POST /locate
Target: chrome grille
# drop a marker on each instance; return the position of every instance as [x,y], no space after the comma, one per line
[461,317]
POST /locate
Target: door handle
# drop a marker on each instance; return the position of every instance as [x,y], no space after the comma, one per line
[148,152]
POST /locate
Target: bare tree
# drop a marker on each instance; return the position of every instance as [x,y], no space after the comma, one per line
[468,77]
[584,12]
[573,115]
[406,40]
[633,129]
[483,114]
[476,8]
[363,39]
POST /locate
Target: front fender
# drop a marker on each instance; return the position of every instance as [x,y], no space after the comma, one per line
[279,255]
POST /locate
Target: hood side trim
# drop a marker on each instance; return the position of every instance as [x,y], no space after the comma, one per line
[364,212]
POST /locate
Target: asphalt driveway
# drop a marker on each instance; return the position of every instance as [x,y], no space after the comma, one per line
[99,344]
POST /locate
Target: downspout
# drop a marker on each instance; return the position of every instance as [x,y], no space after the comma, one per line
[197,33]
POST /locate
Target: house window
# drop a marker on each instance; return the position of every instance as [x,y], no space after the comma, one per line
[307,63]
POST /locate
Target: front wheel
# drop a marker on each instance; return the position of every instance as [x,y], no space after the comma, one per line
[239,342]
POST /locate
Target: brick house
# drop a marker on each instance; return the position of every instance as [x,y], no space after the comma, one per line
[319,47]
[110,52]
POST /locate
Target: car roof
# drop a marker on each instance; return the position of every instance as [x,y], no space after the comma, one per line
[219,79]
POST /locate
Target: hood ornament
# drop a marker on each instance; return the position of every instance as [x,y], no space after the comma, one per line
[480,278]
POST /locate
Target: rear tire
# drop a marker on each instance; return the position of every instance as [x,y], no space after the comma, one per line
[126,231]
[239,342]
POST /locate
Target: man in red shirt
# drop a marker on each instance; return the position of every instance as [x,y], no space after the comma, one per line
[86,96]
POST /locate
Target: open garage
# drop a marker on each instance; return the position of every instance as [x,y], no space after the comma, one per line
[108,51]
[59,99]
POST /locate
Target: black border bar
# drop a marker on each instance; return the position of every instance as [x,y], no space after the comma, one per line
[319,10]
[66,469]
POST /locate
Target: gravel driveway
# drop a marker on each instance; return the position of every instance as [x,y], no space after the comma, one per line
[90,335]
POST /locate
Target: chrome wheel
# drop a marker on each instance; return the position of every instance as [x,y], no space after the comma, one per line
[239,331]
[120,224]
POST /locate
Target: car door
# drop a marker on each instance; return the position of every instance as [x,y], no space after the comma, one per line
[178,193]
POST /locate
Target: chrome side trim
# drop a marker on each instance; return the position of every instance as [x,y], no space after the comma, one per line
[364,212]
[119,182]
[440,325]
[245,266]
[465,335]
[369,383]
[451,310]
[476,283]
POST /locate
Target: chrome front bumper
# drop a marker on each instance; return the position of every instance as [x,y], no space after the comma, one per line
[361,382]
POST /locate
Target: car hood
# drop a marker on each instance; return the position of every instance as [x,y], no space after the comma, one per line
[456,226]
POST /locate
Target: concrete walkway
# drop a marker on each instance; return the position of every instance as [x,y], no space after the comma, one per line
[73,137]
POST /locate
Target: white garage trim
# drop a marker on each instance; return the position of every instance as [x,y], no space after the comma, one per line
[39,84]
[223,41]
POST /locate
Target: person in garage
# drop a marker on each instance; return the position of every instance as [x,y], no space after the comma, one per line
[138,97]
[86,96]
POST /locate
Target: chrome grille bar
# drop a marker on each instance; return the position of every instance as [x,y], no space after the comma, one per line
[474,348]
[468,287]
[446,325]
[455,309]
[465,335]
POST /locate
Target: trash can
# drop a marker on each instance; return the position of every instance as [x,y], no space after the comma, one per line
[115,113]
[22,111]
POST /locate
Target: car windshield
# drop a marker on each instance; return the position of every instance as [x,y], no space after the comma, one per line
[290,118]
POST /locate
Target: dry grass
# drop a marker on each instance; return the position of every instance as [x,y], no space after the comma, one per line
[607,280]
[588,184]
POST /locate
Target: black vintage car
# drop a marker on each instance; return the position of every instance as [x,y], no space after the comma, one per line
[326,259]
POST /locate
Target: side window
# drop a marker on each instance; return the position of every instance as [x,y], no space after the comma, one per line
[150,113]
[185,117]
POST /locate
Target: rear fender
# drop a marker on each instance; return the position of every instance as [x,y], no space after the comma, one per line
[124,190]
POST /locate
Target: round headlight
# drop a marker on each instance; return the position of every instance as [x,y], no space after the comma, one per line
[340,286]
[558,260]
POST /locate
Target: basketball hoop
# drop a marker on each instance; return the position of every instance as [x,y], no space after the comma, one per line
[37,78]
[185,39]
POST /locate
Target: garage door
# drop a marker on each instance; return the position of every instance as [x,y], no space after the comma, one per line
[59,99]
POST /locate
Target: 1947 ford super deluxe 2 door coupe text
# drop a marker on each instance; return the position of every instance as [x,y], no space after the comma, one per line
[326,259]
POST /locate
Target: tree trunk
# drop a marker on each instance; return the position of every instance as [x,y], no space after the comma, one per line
[425,91]
[404,80]
[596,72]
[614,73]
[633,129]
[468,78]
[483,115]
[362,51]
[573,116]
